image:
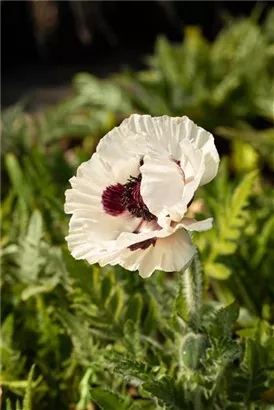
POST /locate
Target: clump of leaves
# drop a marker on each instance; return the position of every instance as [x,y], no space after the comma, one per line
[220,85]
[108,337]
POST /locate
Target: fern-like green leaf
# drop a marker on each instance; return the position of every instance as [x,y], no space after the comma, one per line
[27,402]
[135,371]
[107,400]
[20,185]
[134,310]
[168,392]
[231,220]
[8,405]
[250,383]
[101,93]
[223,319]
[29,257]
[85,396]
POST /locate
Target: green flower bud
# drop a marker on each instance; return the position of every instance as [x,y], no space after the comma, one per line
[194,348]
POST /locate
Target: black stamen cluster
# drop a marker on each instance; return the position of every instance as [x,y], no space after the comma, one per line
[133,201]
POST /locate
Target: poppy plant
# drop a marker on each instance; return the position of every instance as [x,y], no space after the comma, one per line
[129,201]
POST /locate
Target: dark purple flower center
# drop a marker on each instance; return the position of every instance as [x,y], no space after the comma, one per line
[118,198]
[133,201]
[112,200]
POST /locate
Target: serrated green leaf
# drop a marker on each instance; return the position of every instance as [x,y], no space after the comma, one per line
[252,360]
[85,396]
[232,219]
[167,60]
[263,238]
[20,185]
[101,93]
[218,358]
[242,192]
[228,84]
[115,302]
[48,286]
[135,371]
[7,331]
[81,336]
[28,395]
[166,390]
[29,254]
[250,383]
[134,310]
[8,404]
[83,275]
[107,400]
[132,339]
[224,319]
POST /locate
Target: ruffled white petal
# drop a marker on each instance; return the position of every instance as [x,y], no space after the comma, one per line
[124,169]
[125,257]
[162,186]
[192,225]
[192,163]
[172,253]
[127,239]
[167,137]
[142,134]
[166,187]
[92,240]
[156,132]
[79,247]
[203,140]
[91,227]
[93,177]
[121,143]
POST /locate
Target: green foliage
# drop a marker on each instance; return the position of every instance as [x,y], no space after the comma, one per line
[171,395]
[229,224]
[27,401]
[27,398]
[199,339]
[223,319]
[103,94]
[107,400]
[262,142]
[218,85]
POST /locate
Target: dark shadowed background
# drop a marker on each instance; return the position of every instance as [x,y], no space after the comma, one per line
[44,43]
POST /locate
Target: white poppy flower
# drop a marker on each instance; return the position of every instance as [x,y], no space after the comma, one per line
[128,202]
